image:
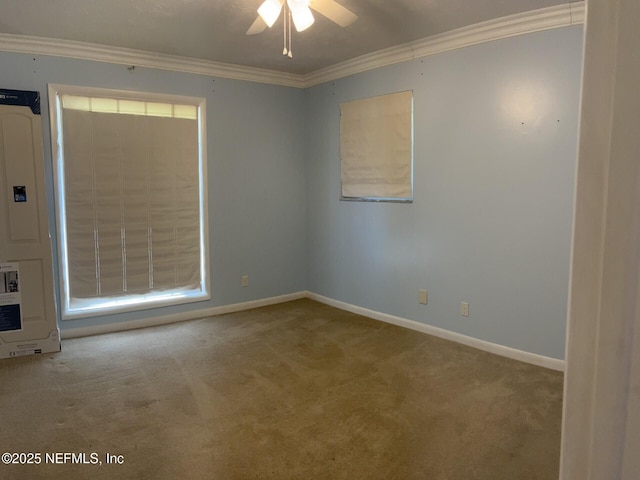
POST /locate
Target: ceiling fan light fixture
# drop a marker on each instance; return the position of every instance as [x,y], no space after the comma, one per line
[270,11]
[301,13]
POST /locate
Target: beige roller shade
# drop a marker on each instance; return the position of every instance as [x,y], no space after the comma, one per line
[131,194]
[376,147]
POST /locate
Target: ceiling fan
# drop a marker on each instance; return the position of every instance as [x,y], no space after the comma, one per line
[300,12]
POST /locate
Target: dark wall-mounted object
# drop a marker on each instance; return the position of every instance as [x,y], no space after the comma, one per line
[22,98]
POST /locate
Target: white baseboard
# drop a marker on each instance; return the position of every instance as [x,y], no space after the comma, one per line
[532,358]
[179,317]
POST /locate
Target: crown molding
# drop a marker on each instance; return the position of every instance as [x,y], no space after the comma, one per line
[528,22]
[141,58]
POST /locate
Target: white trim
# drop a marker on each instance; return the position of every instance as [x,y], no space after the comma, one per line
[178,317]
[528,22]
[532,358]
[601,416]
[140,58]
[519,24]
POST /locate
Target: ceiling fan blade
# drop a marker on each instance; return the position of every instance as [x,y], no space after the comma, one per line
[258,26]
[334,12]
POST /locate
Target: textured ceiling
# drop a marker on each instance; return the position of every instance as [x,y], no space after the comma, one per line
[215,29]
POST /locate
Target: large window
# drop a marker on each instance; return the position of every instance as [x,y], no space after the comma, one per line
[376,148]
[130,178]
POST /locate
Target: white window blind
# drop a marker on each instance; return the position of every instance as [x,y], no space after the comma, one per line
[130,181]
[376,148]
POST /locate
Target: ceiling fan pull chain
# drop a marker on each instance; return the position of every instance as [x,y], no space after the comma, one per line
[284,31]
[290,53]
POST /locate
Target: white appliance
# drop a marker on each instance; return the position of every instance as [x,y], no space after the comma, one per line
[28,322]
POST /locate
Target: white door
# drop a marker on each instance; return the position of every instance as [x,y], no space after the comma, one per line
[24,232]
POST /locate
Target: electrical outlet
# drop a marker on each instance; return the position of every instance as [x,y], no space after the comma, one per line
[422,297]
[464,309]
[245,281]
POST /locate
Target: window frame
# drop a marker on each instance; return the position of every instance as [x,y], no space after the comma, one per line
[136,302]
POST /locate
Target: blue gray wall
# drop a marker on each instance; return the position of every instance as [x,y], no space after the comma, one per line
[256,171]
[495,129]
[494,161]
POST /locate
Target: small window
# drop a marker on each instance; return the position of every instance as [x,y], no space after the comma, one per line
[130,180]
[376,148]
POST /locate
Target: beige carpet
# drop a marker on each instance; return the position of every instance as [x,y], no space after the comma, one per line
[294,391]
